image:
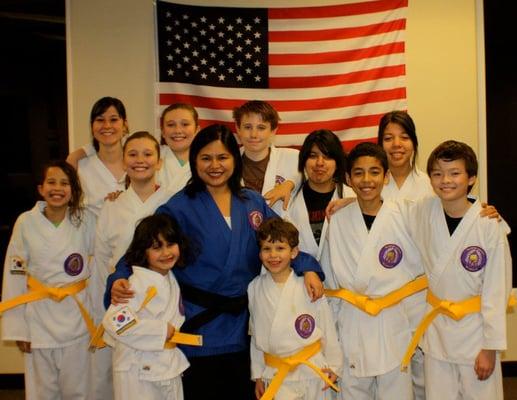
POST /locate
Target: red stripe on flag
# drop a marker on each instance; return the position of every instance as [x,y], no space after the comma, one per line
[337,56]
[337,34]
[348,145]
[336,11]
[333,80]
[289,105]
[362,121]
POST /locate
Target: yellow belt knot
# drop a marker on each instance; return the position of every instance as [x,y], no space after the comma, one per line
[285,365]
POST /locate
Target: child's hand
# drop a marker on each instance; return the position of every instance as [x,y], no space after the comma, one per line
[313,285]
[25,347]
[170,331]
[332,376]
[112,196]
[74,157]
[260,388]
[335,205]
[280,192]
[484,364]
[489,211]
[121,292]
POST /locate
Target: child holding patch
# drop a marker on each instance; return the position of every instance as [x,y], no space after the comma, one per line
[146,364]
[267,169]
[468,264]
[284,323]
[44,298]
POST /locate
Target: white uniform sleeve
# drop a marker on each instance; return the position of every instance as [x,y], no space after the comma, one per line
[496,290]
[144,334]
[257,356]
[331,347]
[14,325]
[88,149]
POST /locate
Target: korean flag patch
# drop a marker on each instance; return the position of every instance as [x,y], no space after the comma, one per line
[123,319]
[18,266]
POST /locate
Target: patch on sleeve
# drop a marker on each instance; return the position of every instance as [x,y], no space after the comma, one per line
[18,266]
[123,319]
[279,180]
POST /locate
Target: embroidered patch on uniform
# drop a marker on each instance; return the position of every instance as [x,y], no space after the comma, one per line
[473,258]
[256,219]
[123,319]
[181,307]
[305,325]
[17,266]
[390,255]
[74,264]
[279,179]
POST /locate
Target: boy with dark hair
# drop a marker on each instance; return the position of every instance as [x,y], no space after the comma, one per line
[373,266]
[267,169]
[468,264]
[284,323]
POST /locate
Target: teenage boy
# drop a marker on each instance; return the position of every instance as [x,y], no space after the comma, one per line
[374,268]
[267,169]
[468,265]
[284,323]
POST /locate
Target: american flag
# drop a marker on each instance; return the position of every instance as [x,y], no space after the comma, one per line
[337,67]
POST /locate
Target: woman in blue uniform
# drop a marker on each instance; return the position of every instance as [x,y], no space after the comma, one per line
[220,217]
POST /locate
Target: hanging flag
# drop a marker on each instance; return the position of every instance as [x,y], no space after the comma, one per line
[337,67]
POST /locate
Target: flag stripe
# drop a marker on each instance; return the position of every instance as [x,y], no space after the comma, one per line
[331,80]
[336,34]
[288,105]
[343,9]
[337,56]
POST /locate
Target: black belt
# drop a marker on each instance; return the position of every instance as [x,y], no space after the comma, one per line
[214,304]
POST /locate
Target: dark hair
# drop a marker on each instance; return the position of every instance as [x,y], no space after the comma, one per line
[403,119]
[330,145]
[262,108]
[277,230]
[75,205]
[206,136]
[142,135]
[367,149]
[148,232]
[100,108]
[179,106]
[452,150]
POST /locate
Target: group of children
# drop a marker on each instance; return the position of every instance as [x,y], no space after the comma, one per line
[385,255]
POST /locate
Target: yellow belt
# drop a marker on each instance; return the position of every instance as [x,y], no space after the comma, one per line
[454,310]
[177,338]
[287,364]
[375,306]
[38,291]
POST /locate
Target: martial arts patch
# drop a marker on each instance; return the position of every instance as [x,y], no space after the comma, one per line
[255,218]
[18,266]
[473,258]
[305,325]
[74,264]
[123,319]
[390,255]
[279,180]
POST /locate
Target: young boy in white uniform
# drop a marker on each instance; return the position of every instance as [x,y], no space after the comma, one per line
[369,256]
[284,322]
[267,169]
[468,263]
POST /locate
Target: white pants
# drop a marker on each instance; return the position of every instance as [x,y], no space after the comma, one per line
[391,385]
[61,373]
[307,389]
[417,374]
[127,386]
[448,381]
[102,375]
